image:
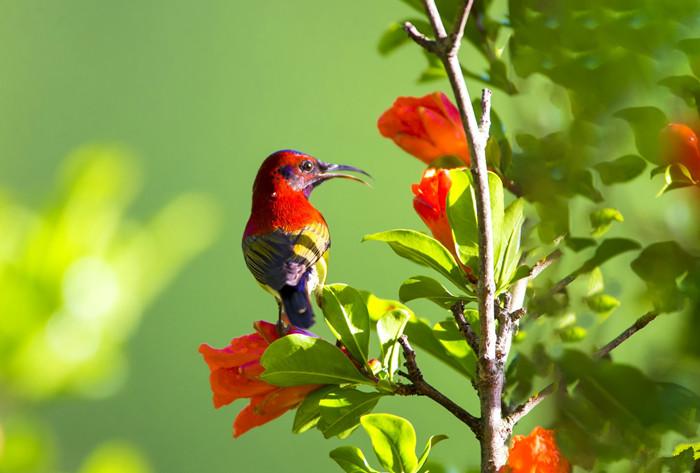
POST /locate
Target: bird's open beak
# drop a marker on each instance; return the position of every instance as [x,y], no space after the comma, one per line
[329,171]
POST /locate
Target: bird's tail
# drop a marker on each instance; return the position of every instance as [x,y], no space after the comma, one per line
[297,305]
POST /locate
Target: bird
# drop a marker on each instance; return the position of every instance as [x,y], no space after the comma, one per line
[286,239]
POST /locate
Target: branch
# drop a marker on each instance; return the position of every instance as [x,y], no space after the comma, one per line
[418,37]
[464,326]
[460,25]
[639,324]
[490,377]
[523,409]
[421,387]
[544,263]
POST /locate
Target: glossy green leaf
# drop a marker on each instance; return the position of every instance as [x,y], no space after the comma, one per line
[341,408]
[676,176]
[602,219]
[432,441]
[461,211]
[351,460]
[308,413]
[622,169]
[507,255]
[298,359]
[393,440]
[423,287]
[346,314]
[424,250]
[389,328]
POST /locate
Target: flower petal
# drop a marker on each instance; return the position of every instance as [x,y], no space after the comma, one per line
[262,409]
[242,350]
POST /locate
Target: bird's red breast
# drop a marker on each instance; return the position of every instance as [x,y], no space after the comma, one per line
[276,204]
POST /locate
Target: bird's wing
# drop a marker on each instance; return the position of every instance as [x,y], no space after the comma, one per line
[281,258]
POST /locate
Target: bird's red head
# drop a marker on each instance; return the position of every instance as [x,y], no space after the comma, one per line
[290,172]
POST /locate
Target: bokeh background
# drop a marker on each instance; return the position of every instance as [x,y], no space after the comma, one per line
[136,129]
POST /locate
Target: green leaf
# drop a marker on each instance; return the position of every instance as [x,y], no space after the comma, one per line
[341,409]
[423,287]
[602,220]
[691,48]
[507,255]
[646,123]
[424,250]
[347,317]
[419,330]
[602,303]
[684,87]
[554,219]
[453,341]
[308,412]
[351,460]
[461,212]
[432,441]
[607,250]
[620,170]
[297,359]
[577,243]
[572,333]
[614,411]
[389,328]
[660,265]
[393,440]
[676,176]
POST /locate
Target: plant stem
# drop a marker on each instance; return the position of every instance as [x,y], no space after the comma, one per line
[489,369]
[523,409]
[420,386]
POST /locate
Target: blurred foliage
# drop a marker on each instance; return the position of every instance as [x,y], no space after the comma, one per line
[76,278]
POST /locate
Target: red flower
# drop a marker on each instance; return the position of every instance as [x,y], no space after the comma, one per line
[680,145]
[235,374]
[536,453]
[427,127]
[430,202]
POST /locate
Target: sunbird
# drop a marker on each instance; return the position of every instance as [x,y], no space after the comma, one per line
[286,240]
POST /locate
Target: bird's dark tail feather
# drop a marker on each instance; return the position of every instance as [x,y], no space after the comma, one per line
[297,305]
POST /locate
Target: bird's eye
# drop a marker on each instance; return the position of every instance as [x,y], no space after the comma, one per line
[306,166]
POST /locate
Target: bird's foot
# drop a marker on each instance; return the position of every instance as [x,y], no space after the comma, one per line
[282,328]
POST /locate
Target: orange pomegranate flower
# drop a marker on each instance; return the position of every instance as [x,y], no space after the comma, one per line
[427,127]
[536,453]
[430,202]
[235,374]
[680,145]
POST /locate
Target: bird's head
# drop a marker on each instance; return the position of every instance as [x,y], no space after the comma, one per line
[294,171]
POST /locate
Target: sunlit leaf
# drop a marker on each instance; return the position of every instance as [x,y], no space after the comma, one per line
[346,314]
[297,359]
[389,328]
[424,250]
[449,335]
[393,440]
[351,460]
[423,287]
[308,413]
[340,409]
[432,441]
[602,219]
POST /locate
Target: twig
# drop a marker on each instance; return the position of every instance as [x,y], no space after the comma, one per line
[421,387]
[544,263]
[490,377]
[464,326]
[639,324]
[523,409]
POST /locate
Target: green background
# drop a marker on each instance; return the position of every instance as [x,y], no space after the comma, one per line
[201,92]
